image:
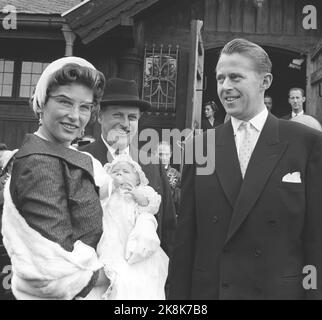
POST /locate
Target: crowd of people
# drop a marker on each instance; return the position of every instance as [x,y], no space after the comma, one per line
[93,221]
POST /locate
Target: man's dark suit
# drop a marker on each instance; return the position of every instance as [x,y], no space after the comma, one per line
[158,181]
[251,238]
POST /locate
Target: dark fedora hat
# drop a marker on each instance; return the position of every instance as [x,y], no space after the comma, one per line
[123,92]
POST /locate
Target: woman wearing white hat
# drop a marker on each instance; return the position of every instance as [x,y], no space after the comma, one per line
[52,218]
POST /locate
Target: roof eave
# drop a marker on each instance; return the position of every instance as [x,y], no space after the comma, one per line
[38,20]
[92,21]
[75,8]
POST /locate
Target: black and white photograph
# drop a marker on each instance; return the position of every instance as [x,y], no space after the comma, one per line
[165,151]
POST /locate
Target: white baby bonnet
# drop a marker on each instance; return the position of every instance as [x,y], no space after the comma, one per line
[126,158]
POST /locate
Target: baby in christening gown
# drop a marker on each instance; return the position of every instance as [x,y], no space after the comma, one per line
[130,197]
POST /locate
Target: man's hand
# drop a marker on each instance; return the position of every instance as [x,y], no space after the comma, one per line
[143,240]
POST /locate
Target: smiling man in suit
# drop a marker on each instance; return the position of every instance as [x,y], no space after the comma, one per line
[247,230]
[119,114]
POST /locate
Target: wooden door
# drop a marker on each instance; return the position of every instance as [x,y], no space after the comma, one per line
[314,82]
[195,77]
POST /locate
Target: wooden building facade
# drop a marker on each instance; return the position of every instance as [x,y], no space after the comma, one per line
[117,34]
[38,36]
[171,47]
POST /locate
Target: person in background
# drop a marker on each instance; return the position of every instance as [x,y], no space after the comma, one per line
[227,117]
[268,100]
[296,99]
[210,119]
[164,153]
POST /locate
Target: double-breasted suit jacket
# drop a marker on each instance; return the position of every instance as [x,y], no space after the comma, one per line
[250,238]
[158,180]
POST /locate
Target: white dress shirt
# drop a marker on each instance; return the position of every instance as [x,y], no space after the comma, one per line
[297,114]
[256,127]
[112,151]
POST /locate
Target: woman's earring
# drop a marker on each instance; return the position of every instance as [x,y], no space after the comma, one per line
[39,120]
[82,133]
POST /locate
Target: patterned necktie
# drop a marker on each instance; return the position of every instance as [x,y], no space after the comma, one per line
[245,147]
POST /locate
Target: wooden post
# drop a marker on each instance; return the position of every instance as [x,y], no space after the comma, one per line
[195,77]
[70,37]
[131,66]
[195,82]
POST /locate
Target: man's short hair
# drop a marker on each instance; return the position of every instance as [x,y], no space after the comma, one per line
[296,89]
[268,96]
[257,54]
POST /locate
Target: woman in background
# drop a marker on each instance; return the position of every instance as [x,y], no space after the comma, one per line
[210,121]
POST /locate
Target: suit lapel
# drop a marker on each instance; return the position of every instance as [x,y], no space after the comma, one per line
[101,152]
[227,164]
[265,157]
[134,154]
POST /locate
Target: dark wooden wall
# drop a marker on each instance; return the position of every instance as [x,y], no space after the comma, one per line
[314,80]
[277,24]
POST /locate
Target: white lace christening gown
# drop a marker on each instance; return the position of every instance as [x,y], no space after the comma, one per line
[144,280]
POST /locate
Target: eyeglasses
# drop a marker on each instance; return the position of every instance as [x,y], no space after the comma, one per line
[68,104]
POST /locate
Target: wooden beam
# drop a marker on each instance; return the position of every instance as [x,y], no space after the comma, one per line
[299,44]
[317,50]
[126,21]
[138,36]
[37,20]
[34,35]
[316,76]
[90,12]
[93,24]
[195,77]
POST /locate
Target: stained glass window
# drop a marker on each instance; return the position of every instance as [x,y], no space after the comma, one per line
[160,78]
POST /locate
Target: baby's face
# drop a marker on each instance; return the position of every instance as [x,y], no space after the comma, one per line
[123,172]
